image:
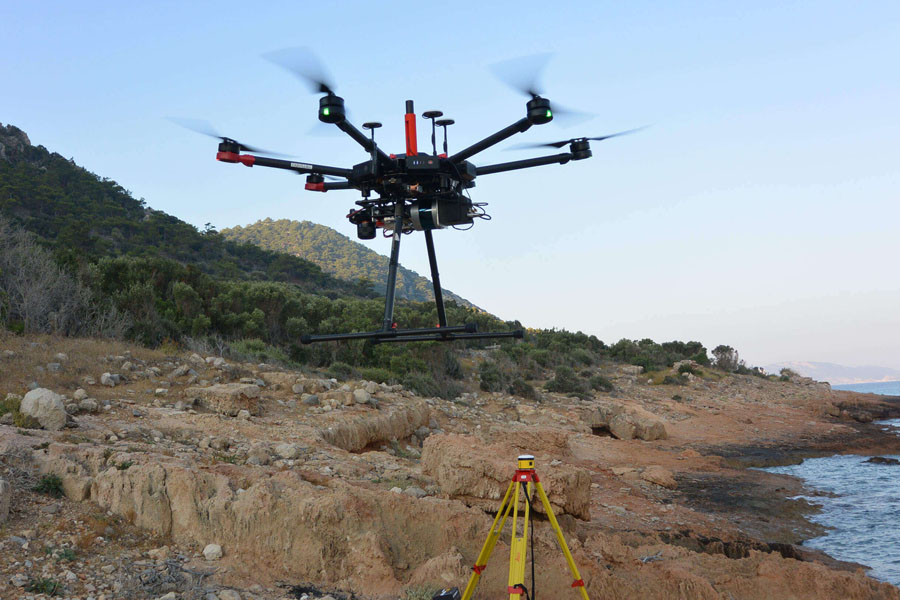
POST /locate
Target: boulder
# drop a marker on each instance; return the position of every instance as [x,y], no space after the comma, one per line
[361,396]
[627,422]
[212,552]
[659,476]
[227,398]
[397,423]
[108,379]
[88,405]
[278,379]
[479,474]
[46,406]
[79,395]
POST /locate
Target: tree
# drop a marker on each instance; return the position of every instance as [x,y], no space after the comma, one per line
[726,357]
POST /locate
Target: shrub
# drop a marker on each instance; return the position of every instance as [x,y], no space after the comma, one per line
[669,380]
[25,421]
[601,383]
[340,371]
[565,381]
[43,585]
[520,387]
[11,404]
[50,485]
[377,374]
[493,379]
[686,368]
[422,384]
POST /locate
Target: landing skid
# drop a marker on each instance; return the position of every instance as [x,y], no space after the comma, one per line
[389,332]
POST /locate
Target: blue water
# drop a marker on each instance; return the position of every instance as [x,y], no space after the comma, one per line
[885,388]
[864,515]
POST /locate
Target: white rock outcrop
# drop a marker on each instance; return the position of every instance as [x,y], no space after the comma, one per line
[46,406]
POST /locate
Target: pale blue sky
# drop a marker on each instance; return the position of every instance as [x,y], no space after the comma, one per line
[760,210]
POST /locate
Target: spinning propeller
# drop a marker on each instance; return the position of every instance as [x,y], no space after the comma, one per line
[524,75]
[562,143]
[305,65]
[205,128]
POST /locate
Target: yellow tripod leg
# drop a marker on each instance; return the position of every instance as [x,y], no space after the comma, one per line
[579,583]
[489,543]
[518,548]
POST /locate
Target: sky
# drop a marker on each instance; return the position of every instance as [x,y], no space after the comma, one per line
[759,209]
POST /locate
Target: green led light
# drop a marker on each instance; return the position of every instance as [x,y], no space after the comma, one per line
[327,111]
[549,114]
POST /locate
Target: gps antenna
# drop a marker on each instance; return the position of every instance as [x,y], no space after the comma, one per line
[411,146]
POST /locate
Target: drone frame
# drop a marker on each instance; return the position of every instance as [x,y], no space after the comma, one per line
[396,182]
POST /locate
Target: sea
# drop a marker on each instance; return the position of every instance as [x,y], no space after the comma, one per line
[863,510]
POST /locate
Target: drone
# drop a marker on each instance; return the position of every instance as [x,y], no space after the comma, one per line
[403,193]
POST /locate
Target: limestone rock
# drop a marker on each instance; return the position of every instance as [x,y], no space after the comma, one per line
[108,379]
[46,406]
[659,476]
[212,552]
[628,422]
[361,396]
[227,398]
[79,395]
[88,405]
[278,379]
[479,475]
[400,422]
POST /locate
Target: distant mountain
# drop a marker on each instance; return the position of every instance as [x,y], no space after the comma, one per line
[336,254]
[837,374]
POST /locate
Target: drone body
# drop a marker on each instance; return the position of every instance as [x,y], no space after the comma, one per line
[409,192]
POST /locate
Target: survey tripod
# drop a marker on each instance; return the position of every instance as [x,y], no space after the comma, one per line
[526,480]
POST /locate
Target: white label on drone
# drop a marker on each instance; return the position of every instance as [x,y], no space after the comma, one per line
[301,166]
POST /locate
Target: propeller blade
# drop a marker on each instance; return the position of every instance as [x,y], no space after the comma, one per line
[523,74]
[568,117]
[305,65]
[197,126]
[205,128]
[562,143]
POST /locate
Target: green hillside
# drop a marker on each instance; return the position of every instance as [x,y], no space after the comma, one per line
[336,254]
[83,218]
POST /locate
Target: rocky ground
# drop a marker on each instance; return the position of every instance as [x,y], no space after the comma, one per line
[132,474]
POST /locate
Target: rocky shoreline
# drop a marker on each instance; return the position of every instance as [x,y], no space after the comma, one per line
[313,487]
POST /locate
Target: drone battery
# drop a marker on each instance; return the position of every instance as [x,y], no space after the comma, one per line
[448,594]
[365,170]
[422,162]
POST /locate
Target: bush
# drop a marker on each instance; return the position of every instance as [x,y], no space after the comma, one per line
[669,380]
[11,404]
[565,381]
[687,368]
[340,371]
[377,374]
[520,387]
[601,383]
[50,485]
[422,384]
[25,421]
[493,379]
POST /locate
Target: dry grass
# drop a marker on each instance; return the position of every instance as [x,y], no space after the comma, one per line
[85,358]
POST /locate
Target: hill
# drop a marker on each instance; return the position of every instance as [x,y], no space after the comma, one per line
[336,254]
[837,374]
[84,217]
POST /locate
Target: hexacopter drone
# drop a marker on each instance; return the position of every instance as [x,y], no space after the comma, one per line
[402,193]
